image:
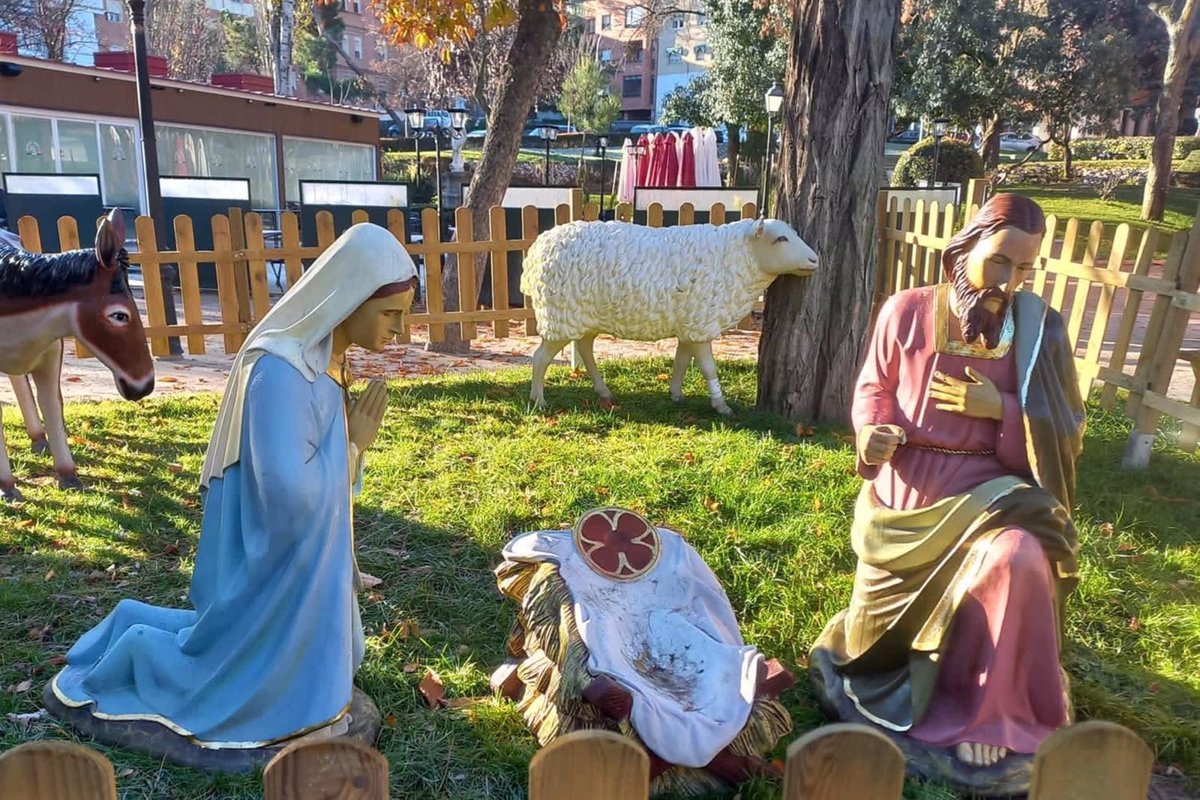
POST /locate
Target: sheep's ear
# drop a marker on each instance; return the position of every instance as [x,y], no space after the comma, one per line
[759,228]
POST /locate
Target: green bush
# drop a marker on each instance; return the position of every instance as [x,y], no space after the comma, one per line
[1187,172]
[1048,172]
[957,163]
[1121,148]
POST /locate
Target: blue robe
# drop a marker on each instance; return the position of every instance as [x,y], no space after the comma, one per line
[272,645]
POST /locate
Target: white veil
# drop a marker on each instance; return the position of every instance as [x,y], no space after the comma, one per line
[299,328]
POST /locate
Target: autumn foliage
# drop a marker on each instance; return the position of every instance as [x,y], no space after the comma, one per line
[444,24]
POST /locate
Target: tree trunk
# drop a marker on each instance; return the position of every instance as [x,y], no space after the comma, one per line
[991,144]
[734,149]
[1068,159]
[282,61]
[538,29]
[1179,61]
[839,84]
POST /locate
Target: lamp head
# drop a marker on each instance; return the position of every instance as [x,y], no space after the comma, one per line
[416,117]
[773,100]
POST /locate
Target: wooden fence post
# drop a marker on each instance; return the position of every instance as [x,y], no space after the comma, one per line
[1164,354]
[843,760]
[241,270]
[53,770]
[597,765]
[340,767]
[1091,760]
[976,197]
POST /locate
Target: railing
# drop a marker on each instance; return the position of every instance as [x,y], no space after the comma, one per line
[1092,759]
[1126,310]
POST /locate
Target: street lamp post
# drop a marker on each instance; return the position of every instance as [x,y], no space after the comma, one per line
[772,102]
[167,272]
[603,164]
[939,130]
[416,126]
[548,133]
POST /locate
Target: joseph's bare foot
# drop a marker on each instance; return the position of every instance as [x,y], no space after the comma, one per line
[980,755]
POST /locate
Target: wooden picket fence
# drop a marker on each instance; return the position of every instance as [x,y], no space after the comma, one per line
[241,256]
[1126,310]
[1089,760]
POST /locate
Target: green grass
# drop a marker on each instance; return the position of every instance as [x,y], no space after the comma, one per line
[462,465]
[1072,200]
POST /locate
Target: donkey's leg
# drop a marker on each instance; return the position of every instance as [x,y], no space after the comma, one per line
[708,368]
[584,347]
[30,413]
[683,360]
[8,484]
[46,376]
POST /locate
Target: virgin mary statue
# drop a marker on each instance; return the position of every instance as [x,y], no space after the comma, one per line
[269,649]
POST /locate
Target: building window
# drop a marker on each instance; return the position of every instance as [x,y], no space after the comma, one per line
[677,22]
[633,53]
[312,160]
[634,16]
[605,56]
[381,49]
[631,86]
[674,55]
[356,6]
[357,49]
[187,152]
[113,10]
[701,20]
[606,22]
[701,52]
[589,26]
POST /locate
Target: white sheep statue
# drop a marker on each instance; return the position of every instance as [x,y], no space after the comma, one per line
[690,282]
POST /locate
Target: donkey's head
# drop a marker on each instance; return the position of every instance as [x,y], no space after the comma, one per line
[106,317]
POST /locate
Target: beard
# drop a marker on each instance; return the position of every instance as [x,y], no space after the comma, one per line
[974,317]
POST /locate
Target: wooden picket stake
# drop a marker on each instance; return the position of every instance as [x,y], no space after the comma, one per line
[55,770]
[339,768]
[593,764]
[1091,760]
[843,761]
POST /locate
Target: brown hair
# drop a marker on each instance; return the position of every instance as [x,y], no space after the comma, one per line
[389,289]
[1002,211]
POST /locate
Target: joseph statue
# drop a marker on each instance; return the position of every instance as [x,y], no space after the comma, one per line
[968,421]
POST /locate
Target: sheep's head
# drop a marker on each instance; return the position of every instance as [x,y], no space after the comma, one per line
[779,250]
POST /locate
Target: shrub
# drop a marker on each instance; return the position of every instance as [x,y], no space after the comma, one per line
[957,163]
[1129,148]
[1187,172]
[1091,172]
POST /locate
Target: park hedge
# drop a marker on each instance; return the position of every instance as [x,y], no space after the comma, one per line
[1121,148]
[957,163]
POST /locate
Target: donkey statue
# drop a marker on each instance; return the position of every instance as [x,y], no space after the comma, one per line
[44,298]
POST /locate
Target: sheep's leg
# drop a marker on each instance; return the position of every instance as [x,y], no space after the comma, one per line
[8,484]
[30,413]
[584,348]
[708,368]
[46,376]
[541,361]
[683,360]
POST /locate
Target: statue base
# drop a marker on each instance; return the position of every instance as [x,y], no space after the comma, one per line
[151,738]
[1009,778]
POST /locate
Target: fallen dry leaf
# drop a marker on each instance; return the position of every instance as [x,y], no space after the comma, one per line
[803,430]
[390,721]
[816,504]
[73,379]
[689,458]
[20,688]
[125,773]
[58,661]
[462,702]
[662,377]
[431,689]
[175,469]
[1106,527]
[168,379]
[369,581]
[711,505]
[50,575]
[409,669]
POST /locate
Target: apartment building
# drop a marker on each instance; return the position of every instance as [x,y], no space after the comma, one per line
[624,42]
[683,51]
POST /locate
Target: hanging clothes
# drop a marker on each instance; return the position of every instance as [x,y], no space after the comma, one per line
[687,160]
[628,172]
[670,168]
[708,167]
[643,165]
[654,171]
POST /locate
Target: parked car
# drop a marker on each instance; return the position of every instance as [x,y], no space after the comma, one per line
[1018,143]
[909,136]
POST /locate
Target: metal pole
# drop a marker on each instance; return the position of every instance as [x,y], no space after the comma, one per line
[546,169]
[417,139]
[937,152]
[437,167]
[167,272]
[603,162]
[766,192]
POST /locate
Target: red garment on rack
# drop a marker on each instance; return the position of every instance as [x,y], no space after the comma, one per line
[643,164]
[687,165]
[670,169]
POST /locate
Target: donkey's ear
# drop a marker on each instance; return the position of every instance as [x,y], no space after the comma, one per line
[110,238]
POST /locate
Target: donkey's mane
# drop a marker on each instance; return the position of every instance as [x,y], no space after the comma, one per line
[25,274]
